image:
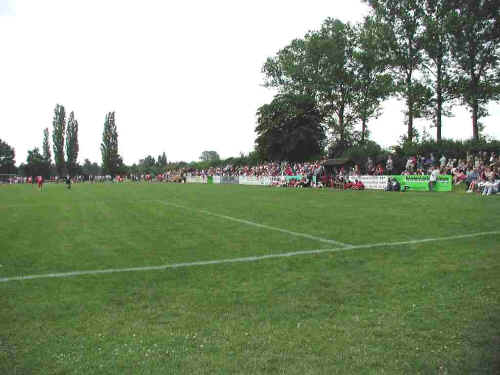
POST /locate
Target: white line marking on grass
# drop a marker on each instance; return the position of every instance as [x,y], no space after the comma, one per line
[247,222]
[246,259]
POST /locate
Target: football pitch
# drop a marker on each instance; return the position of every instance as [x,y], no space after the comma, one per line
[228,279]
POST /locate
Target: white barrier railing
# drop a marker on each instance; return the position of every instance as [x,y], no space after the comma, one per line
[371,182]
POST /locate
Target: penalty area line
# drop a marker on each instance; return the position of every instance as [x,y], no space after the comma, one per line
[245,259]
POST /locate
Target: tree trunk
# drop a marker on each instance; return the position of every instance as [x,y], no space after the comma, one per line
[363,131]
[475,125]
[439,110]
[409,102]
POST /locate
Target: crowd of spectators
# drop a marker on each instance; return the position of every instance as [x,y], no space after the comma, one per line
[479,172]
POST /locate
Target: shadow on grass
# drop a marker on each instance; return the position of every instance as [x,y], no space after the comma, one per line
[483,346]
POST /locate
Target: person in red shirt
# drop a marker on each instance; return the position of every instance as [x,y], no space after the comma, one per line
[348,185]
[39,180]
[358,185]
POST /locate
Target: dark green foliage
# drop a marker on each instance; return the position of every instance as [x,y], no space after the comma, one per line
[162,161]
[7,158]
[209,156]
[148,165]
[475,47]
[289,128]
[47,155]
[36,164]
[359,154]
[374,83]
[91,169]
[402,23]
[450,148]
[72,146]
[58,129]
[330,53]
[436,44]
[112,162]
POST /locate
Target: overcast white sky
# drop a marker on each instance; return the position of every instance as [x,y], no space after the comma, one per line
[183,76]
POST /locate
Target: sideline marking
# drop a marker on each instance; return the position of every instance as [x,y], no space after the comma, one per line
[247,222]
[246,259]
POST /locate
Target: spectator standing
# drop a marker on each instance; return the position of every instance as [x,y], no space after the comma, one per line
[442,161]
[370,166]
[433,178]
[409,165]
[389,165]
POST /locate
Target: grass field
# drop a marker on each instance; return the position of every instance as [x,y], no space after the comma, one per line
[401,283]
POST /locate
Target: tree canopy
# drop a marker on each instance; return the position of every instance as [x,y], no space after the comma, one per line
[289,128]
[7,158]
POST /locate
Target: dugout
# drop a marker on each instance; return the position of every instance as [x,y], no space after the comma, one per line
[332,165]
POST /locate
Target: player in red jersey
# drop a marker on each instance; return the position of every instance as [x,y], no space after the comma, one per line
[39,180]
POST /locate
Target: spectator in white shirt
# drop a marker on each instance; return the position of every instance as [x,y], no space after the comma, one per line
[433,178]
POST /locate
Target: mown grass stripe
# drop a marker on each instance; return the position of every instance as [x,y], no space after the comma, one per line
[245,259]
[264,226]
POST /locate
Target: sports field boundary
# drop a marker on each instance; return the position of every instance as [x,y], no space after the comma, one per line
[245,259]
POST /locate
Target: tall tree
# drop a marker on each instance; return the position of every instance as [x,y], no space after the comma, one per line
[91,169]
[322,66]
[7,158]
[36,164]
[209,156]
[289,128]
[330,52]
[475,46]
[47,155]
[403,24]
[374,83]
[288,71]
[59,127]
[111,161]
[436,44]
[147,165]
[162,160]
[72,146]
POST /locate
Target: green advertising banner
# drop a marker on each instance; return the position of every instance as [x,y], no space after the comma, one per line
[421,183]
[210,180]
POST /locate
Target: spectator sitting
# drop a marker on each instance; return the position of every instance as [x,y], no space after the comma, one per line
[393,185]
[358,185]
[470,180]
[302,183]
[348,185]
[491,187]
[459,177]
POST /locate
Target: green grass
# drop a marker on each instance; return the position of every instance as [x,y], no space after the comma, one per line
[423,308]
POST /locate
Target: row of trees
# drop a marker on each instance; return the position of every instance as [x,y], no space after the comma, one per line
[64,146]
[432,54]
